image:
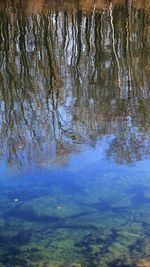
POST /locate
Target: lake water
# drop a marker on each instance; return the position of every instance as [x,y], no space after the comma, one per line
[74,133]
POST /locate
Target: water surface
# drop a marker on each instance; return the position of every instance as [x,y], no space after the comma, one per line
[74,133]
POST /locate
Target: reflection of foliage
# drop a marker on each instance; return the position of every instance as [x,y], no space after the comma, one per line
[70,84]
[127,145]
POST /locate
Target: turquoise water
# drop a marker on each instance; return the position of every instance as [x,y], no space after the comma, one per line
[74,134]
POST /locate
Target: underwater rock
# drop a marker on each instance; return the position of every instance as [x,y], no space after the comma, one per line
[145,262]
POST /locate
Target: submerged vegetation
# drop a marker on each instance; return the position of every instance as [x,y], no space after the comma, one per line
[74,75]
[92,222]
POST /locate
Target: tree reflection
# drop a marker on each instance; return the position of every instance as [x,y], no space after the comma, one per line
[73,74]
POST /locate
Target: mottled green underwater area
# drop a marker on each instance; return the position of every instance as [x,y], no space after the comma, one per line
[65,218]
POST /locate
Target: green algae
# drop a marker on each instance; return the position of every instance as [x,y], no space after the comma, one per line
[88,240]
[95,228]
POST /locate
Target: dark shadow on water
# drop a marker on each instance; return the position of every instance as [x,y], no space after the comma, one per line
[29,215]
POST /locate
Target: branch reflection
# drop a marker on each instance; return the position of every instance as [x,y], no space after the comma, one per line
[70,74]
